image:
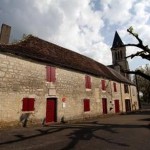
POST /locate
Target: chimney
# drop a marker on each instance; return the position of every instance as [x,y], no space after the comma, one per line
[5,34]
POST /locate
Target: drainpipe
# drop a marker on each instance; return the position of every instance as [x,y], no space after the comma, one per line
[121,97]
[137,87]
[111,94]
[130,96]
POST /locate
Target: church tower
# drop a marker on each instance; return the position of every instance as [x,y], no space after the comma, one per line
[119,56]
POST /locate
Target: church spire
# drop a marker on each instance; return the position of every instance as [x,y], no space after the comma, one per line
[119,55]
[117,41]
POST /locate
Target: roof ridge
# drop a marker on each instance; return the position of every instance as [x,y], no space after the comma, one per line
[46,52]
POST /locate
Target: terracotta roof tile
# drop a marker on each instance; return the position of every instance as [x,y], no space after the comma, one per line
[43,51]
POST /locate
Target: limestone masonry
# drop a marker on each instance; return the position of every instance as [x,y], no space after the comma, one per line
[38,85]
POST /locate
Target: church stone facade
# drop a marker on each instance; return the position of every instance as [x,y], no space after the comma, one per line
[41,82]
[119,61]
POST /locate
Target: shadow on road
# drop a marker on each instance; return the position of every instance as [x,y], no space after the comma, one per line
[79,132]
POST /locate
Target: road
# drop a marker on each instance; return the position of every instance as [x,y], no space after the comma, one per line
[118,132]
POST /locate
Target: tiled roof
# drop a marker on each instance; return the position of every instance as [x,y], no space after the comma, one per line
[49,53]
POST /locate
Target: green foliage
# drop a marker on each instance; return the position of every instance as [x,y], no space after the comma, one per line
[143,84]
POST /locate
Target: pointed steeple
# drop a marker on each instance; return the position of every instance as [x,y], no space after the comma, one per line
[117,41]
[119,55]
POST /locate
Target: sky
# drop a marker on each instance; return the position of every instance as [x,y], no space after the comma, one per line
[83,26]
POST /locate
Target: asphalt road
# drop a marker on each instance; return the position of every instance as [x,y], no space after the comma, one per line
[119,132]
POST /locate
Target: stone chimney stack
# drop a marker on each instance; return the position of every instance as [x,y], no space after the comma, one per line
[5,34]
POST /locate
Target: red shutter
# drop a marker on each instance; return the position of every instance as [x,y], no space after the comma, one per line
[86,105]
[88,82]
[103,85]
[31,104]
[115,87]
[28,104]
[53,79]
[50,74]
[24,104]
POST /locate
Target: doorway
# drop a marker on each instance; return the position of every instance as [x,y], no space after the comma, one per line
[51,110]
[127,105]
[117,108]
[104,104]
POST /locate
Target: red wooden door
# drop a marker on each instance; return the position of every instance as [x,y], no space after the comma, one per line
[51,110]
[104,103]
[117,109]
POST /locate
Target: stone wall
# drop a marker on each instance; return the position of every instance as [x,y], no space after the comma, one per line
[20,78]
[134,96]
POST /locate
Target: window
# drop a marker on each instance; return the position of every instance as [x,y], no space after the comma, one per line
[115,87]
[121,54]
[126,89]
[28,104]
[116,56]
[50,74]
[87,82]
[86,105]
[103,85]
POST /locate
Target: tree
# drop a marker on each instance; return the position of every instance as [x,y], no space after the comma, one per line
[143,85]
[145,54]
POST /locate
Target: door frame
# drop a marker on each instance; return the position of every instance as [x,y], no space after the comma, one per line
[118,109]
[105,110]
[55,109]
[128,105]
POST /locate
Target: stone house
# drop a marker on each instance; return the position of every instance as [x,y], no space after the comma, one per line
[47,83]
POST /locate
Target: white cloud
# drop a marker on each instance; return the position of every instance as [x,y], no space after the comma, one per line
[43,6]
[117,11]
[76,25]
[80,30]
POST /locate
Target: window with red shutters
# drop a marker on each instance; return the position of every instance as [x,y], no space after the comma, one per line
[103,85]
[115,87]
[51,74]
[87,82]
[28,104]
[86,105]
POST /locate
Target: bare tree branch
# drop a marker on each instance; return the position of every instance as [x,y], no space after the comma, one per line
[140,44]
[145,53]
[130,30]
[142,54]
[138,72]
